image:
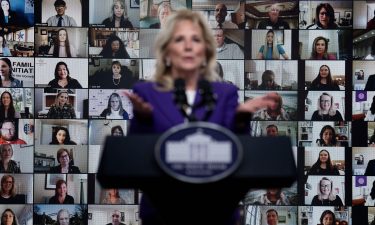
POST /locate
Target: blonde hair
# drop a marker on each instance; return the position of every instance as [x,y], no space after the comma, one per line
[275,50]
[163,74]
[332,110]
[332,195]
[57,103]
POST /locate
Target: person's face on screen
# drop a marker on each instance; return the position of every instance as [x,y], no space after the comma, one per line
[60,10]
[118,10]
[117,132]
[64,218]
[275,106]
[62,72]
[115,46]
[323,157]
[62,35]
[325,187]
[7,131]
[8,218]
[220,13]
[116,69]
[61,191]
[60,136]
[323,17]
[219,36]
[63,98]
[324,72]
[7,152]
[320,47]
[325,102]
[116,217]
[327,136]
[115,103]
[4,5]
[270,38]
[64,159]
[272,218]
[4,68]
[187,48]
[5,100]
[274,13]
[7,185]
[112,192]
[272,132]
[328,219]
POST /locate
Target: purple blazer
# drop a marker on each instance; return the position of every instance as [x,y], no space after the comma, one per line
[166,114]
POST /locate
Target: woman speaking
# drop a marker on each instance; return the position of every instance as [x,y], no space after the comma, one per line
[186,54]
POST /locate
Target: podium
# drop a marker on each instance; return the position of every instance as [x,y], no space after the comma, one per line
[129,162]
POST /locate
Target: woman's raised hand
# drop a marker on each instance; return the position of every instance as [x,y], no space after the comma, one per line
[139,105]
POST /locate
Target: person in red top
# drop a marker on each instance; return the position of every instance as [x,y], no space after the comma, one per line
[9,133]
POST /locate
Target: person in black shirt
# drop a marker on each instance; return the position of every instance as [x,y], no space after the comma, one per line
[61,196]
[324,80]
[65,166]
[118,16]
[323,166]
[326,195]
[274,22]
[8,193]
[326,110]
[114,48]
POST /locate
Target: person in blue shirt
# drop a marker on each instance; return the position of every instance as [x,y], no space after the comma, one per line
[271,50]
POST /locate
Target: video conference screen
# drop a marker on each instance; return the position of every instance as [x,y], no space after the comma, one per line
[66,67]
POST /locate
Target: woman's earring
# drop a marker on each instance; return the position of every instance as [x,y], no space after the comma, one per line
[168,62]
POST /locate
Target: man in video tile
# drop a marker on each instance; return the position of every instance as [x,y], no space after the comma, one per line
[61,20]
[273,22]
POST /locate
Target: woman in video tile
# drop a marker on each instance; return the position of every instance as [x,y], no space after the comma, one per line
[324,17]
[61,136]
[268,81]
[61,109]
[326,109]
[63,157]
[63,78]
[8,217]
[114,48]
[328,218]
[324,165]
[326,195]
[61,195]
[7,80]
[114,108]
[61,46]
[118,16]
[8,191]
[7,165]
[324,80]
[271,50]
[327,137]
[7,16]
[117,131]
[320,49]
[7,110]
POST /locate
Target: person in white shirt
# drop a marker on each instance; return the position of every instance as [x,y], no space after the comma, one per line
[220,14]
[224,50]
[61,20]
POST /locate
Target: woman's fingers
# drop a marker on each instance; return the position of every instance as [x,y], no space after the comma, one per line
[139,105]
[257,103]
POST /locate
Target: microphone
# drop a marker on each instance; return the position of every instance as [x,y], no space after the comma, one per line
[180,98]
[208,98]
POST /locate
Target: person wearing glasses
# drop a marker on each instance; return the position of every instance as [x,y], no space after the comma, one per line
[326,109]
[9,133]
[8,193]
[324,17]
[116,218]
[273,22]
[63,157]
[326,195]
